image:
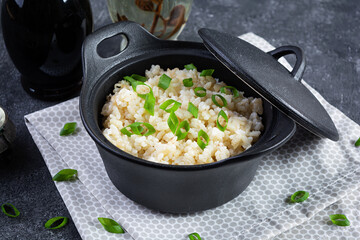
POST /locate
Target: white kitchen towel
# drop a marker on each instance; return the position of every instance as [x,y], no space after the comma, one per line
[329,171]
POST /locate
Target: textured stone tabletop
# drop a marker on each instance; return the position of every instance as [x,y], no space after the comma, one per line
[327,31]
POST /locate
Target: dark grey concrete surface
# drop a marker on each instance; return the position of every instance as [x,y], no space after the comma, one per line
[328,31]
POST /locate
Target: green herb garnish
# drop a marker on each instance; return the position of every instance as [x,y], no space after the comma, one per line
[357,143]
[194,236]
[137,129]
[65,175]
[224,102]
[179,133]
[193,109]
[222,114]
[190,67]
[173,122]
[188,82]
[299,196]
[233,90]
[164,81]
[200,91]
[68,128]
[200,142]
[139,77]
[149,104]
[61,224]
[10,210]
[110,225]
[167,103]
[207,72]
[340,220]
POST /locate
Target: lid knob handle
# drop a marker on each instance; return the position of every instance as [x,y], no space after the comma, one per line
[299,67]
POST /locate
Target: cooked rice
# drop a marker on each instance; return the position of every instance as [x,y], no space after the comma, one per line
[124,107]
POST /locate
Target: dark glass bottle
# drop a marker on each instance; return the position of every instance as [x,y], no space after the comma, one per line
[44,39]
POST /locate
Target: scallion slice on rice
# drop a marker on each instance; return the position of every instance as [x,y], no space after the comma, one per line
[167,103]
[193,109]
[164,81]
[200,91]
[234,91]
[207,72]
[137,129]
[224,102]
[202,135]
[222,114]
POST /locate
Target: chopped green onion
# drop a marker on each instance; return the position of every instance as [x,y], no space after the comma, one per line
[149,97]
[137,129]
[164,81]
[8,209]
[200,142]
[193,109]
[233,90]
[188,82]
[357,143]
[200,91]
[222,114]
[167,103]
[135,84]
[207,72]
[340,220]
[149,104]
[194,236]
[190,67]
[299,196]
[110,225]
[65,175]
[139,77]
[51,222]
[173,122]
[180,134]
[68,129]
[224,102]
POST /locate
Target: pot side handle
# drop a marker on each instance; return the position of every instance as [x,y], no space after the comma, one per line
[299,67]
[95,66]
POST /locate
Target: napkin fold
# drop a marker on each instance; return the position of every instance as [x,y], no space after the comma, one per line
[329,171]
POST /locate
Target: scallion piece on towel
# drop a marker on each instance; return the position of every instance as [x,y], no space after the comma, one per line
[110,225]
[179,133]
[167,103]
[56,222]
[10,210]
[193,109]
[299,196]
[222,114]
[207,72]
[65,175]
[340,220]
[190,67]
[202,135]
[164,81]
[194,236]
[173,122]
[200,91]
[137,129]
[68,128]
[357,143]
[188,82]
[224,102]
[139,77]
[234,91]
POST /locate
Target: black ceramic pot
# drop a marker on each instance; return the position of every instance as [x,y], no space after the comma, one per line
[168,188]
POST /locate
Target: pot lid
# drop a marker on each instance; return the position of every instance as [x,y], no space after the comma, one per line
[263,73]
